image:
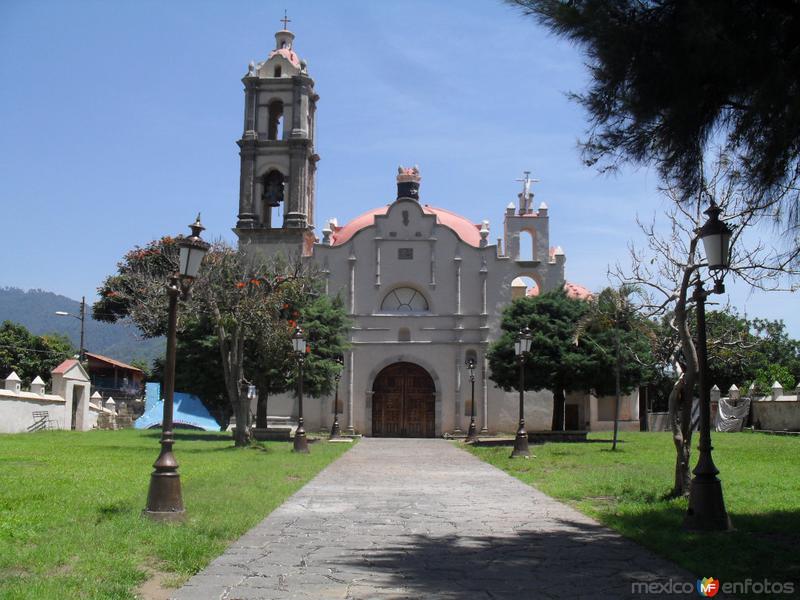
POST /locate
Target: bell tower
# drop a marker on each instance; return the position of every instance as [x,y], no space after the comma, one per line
[278,161]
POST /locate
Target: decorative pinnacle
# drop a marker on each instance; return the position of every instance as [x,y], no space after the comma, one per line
[405,174]
[196,227]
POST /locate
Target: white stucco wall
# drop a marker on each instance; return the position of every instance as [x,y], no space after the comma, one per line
[16,410]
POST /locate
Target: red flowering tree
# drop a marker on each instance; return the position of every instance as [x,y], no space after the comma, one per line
[250,303]
[137,291]
[244,296]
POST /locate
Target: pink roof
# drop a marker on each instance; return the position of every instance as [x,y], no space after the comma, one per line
[288,54]
[65,366]
[467,231]
[577,291]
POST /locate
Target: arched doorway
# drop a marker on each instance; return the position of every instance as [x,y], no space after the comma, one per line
[403,402]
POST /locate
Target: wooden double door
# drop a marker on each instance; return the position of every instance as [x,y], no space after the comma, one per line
[403,402]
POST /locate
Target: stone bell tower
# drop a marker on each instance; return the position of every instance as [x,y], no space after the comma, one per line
[278,162]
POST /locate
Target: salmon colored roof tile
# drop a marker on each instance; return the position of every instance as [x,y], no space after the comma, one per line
[461,226]
[65,366]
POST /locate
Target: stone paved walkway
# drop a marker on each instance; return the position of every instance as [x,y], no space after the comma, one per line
[424,519]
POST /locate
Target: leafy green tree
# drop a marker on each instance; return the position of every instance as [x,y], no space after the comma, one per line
[198,368]
[240,296]
[614,326]
[669,77]
[555,362]
[742,351]
[734,354]
[768,375]
[137,290]
[31,355]
[776,346]
[272,362]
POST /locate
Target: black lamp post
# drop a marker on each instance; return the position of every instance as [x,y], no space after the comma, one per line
[521,348]
[299,346]
[472,433]
[82,319]
[335,432]
[706,505]
[164,498]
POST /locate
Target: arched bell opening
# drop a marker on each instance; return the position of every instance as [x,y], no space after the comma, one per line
[273,186]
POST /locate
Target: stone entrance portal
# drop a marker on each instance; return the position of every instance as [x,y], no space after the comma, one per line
[403,402]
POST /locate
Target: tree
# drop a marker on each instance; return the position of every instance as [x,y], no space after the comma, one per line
[775,345]
[733,351]
[240,297]
[612,314]
[673,262]
[30,355]
[670,77]
[199,368]
[137,290]
[243,296]
[273,365]
[556,362]
[766,376]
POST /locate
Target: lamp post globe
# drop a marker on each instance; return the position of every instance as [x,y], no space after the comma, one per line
[192,250]
[706,511]
[299,347]
[522,347]
[472,433]
[716,236]
[164,497]
[335,429]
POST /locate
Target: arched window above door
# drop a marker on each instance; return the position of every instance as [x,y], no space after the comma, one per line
[404,300]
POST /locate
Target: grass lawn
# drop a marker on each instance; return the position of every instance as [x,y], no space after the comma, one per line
[625,490]
[71,502]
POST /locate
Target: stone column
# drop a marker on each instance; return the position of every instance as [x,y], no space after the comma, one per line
[352,284]
[459,400]
[457,260]
[351,369]
[247,213]
[485,388]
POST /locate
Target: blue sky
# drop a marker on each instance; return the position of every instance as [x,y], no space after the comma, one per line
[118,122]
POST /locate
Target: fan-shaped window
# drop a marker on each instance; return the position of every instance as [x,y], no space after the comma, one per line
[404,299]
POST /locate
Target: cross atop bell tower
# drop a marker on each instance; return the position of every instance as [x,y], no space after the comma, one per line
[278,161]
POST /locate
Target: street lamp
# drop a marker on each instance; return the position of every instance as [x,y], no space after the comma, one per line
[472,434]
[521,348]
[82,319]
[706,505]
[335,433]
[299,346]
[164,498]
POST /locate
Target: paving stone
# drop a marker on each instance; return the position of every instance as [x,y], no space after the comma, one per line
[401,519]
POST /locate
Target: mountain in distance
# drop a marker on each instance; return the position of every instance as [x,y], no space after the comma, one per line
[35,309]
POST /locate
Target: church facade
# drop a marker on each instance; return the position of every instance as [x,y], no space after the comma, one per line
[423,286]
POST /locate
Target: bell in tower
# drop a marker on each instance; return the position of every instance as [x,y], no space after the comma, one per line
[278,162]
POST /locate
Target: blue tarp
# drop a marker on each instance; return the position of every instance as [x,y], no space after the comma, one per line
[188,411]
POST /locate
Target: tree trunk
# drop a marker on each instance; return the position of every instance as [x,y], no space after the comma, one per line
[681,396]
[559,400]
[242,436]
[230,347]
[261,411]
[680,437]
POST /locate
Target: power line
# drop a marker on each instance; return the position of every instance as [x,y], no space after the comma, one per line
[32,349]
